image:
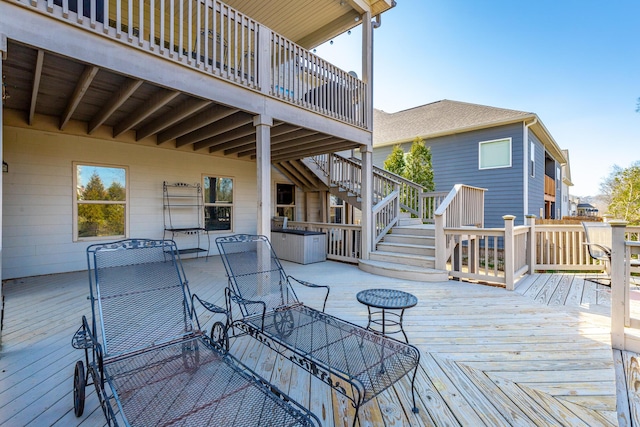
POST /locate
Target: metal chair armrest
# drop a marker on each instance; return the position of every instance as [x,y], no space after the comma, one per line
[233,296]
[313,285]
[605,249]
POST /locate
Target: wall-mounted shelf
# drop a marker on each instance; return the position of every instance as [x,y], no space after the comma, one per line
[183,208]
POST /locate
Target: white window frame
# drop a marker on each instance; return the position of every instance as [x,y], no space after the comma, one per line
[532,159]
[494,141]
[336,207]
[219,204]
[292,206]
[75,237]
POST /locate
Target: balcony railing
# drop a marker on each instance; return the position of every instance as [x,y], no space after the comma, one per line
[211,36]
[549,186]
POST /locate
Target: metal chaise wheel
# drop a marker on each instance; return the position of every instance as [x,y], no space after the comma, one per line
[79,383]
[283,322]
[219,335]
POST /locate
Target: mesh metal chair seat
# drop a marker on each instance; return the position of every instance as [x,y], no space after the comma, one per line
[150,362]
[357,362]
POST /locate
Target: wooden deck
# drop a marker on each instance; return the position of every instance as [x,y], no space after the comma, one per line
[538,356]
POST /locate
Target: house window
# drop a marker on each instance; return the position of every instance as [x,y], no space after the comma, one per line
[286,201]
[100,207]
[532,158]
[336,210]
[495,154]
[218,203]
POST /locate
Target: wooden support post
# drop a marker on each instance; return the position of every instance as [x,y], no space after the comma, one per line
[366,197]
[263,172]
[531,244]
[3,56]
[618,284]
[509,254]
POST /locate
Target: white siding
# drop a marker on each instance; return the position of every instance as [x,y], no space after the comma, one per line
[38,194]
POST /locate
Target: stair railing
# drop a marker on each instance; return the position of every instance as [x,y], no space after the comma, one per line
[346,174]
[463,207]
[385,215]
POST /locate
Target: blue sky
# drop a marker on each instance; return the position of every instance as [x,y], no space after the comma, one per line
[576,64]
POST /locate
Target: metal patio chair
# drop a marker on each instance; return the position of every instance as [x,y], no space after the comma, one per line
[147,357]
[355,361]
[598,242]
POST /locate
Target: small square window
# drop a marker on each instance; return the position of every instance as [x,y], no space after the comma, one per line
[495,154]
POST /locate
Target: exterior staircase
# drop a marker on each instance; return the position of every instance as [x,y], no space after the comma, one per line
[406,252]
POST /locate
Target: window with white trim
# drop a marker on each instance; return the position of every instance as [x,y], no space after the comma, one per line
[100,205]
[218,203]
[532,159]
[494,154]
[286,201]
[336,210]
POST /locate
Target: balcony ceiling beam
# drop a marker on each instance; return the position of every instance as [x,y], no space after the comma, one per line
[120,97]
[285,135]
[291,143]
[292,172]
[157,101]
[37,75]
[204,118]
[226,124]
[240,142]
[246,131]
[299,167]
[170,118]
[81,88]
[337,145]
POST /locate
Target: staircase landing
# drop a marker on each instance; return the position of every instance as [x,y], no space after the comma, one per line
[407,252]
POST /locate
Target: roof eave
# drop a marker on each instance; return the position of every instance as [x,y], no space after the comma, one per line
[455,131]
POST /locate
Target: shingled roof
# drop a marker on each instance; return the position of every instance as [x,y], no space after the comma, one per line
[439,118]
[448,117]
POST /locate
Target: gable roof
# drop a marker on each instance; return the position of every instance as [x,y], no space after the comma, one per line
[448,117]
[566,169]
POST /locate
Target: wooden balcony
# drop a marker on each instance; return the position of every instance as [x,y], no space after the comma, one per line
[538,356]
[549,189]
[193,71]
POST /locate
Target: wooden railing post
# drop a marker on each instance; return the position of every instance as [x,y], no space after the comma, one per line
[264,59]
[619,291]
[531,244]
[509,255]
[441,244]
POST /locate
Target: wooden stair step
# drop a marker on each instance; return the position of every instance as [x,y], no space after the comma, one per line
[401,271]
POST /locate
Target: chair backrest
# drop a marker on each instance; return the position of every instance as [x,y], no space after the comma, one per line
[598,237]
[255,272]
[140,291]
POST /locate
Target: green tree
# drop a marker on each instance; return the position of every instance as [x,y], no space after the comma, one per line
[91,216]
[114,214]
[418,167]
[622,192]
[395,161]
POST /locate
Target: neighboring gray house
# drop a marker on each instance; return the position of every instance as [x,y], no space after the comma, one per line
[510,153]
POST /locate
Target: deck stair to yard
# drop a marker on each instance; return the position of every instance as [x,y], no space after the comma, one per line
[407,252]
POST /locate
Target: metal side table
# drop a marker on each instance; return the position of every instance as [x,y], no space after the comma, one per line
[385,300]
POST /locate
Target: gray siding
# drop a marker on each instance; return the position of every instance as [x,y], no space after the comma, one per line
[536,183]
[455,161]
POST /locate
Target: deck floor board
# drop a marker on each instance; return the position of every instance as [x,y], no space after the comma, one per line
[540,355]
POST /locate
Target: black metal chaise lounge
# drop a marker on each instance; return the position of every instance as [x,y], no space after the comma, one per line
[355,361]
[147,357]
